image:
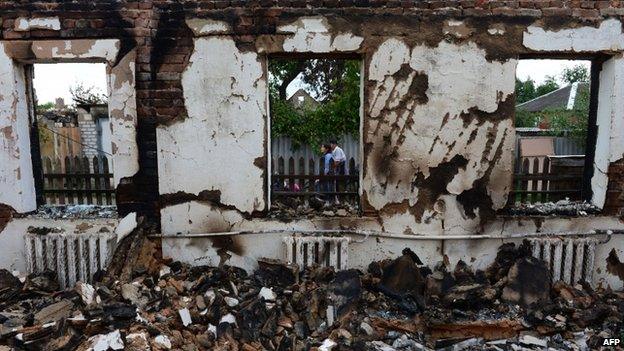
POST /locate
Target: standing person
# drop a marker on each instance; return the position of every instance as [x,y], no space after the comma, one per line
[340,159]
[340,163]
[327,168]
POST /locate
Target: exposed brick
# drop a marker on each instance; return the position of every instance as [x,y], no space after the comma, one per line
[556,12]
[155,28]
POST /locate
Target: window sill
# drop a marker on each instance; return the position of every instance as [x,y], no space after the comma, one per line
[563,208]
[74,212]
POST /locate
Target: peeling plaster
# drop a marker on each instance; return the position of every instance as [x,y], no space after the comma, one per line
[17,187]
[406,142]
[314,34]
[457,29]
[617,114]
[23,24]
[122,110]
[496,29]
[607,37]
[76,49]
[215,147]
[201,26]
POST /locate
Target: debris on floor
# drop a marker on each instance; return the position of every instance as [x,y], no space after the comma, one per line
[563,207]
[399,304]
[287,208]
[74,211]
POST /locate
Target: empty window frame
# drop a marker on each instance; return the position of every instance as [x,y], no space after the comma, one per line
[72,146]
[555,118]
[315,121]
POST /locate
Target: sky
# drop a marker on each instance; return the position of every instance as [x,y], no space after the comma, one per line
[539,69]
[536,69]
[54,80]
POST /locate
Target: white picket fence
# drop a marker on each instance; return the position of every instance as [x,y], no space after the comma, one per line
[282,147]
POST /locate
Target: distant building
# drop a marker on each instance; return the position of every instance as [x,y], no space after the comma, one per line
[562,98]
[302,98]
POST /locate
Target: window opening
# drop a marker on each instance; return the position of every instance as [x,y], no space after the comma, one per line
[553,131]
[315,135]
[73,134]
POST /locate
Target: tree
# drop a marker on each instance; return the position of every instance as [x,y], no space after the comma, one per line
[45,107]
[335,83]
[578,73]
[550,84]
[86,95]
[525,90]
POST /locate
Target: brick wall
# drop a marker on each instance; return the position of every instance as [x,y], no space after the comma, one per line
[156,28]
[6,213]
[614,203]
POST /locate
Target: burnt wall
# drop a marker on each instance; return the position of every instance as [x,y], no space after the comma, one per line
[490,31]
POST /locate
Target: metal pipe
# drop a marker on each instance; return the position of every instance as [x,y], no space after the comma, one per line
[391,235]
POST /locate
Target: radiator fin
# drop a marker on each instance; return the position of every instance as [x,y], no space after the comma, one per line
[74,257]
[570,259]
[325,251]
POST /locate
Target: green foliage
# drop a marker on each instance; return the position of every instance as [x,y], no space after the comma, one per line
[338,113]
[561,121]
[525,90]
[44,135]
[550,84]
[526,119]
[578,73]
[45,107]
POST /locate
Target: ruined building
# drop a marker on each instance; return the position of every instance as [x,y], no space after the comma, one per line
[190,126]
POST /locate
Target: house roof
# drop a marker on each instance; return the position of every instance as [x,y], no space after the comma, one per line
[561,98]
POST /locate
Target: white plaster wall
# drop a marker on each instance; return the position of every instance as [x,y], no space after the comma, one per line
[459,78]
[85,49]
[215,147]
[315,34]
[607,37]
[478,253]
[123,117]
[602,277]
[604,117]
[17,187]
[617,113]
[12,237]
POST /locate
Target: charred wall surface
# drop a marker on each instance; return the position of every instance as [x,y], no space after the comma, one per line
[437,89]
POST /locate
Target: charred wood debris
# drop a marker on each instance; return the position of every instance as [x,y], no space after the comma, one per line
[145,302]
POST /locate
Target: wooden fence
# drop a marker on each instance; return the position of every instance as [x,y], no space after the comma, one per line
[544,179]
[78,180]
[304,178]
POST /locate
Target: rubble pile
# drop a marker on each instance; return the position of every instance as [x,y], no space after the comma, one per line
[396,305]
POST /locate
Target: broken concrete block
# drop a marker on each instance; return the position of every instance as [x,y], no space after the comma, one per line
[110,341]
[185,316]
[86,291]
[267,294]
[126,226]
[162,341]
